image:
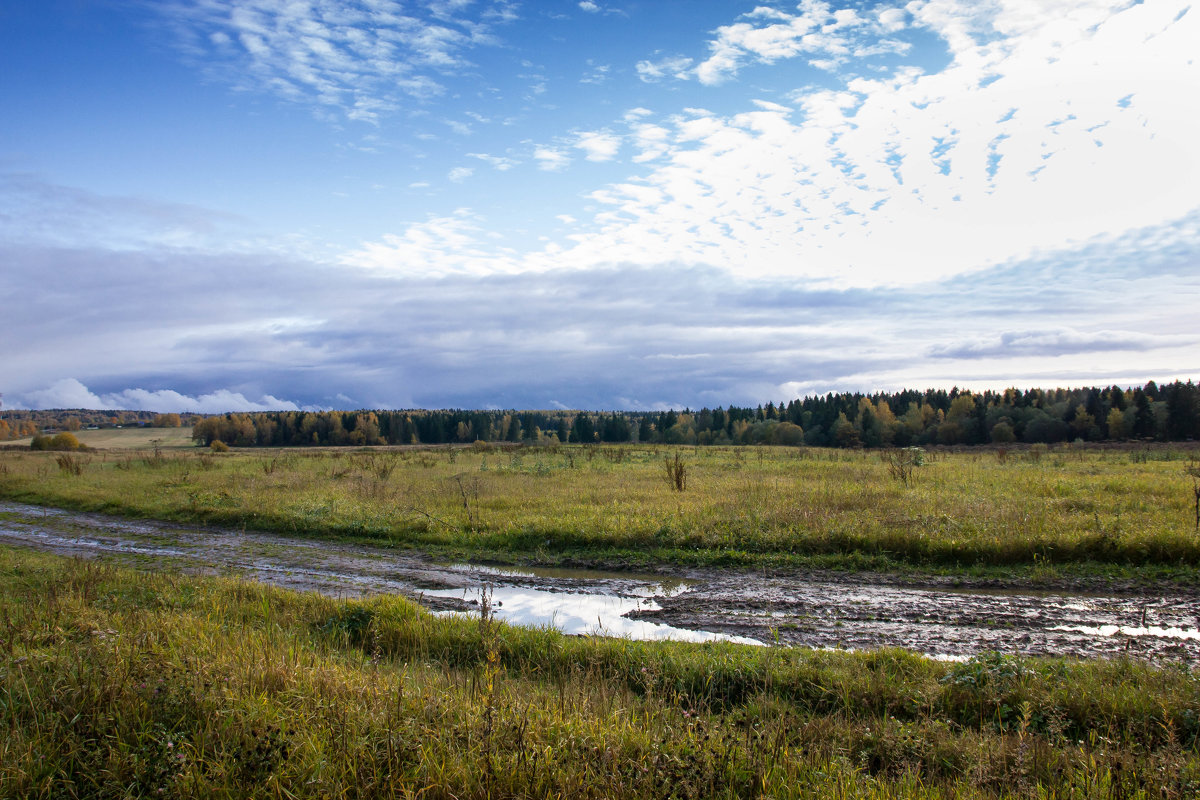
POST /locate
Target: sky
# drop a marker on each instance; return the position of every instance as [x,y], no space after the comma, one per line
[226,205]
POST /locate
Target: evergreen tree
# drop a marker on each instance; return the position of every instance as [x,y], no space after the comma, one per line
[1143,416]
[1183,411]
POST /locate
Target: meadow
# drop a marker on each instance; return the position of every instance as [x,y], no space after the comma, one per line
[1036,511]
[116,683]
[131,438]
[122,683]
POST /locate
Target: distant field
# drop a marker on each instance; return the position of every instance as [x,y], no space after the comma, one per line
[1122,511]
[130,438]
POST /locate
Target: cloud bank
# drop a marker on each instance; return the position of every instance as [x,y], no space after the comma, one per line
[70,393]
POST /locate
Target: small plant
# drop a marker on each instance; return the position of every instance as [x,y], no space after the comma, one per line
[676,473]
[467,495]
[381,465]
[218,446]
[490,652]
[70,464]
[156,458]
[902,461]
[1193,469]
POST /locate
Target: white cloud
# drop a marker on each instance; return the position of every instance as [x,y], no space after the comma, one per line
[1045,131]
[891,20]
[64,393]
[589,6]
[677,67]
[460,174]
[599,145]
[363,61]
[499,162]
[71,393]
[441,245]
[1049,136]
[827,37]
[768,35]
[597,74]
[551,159]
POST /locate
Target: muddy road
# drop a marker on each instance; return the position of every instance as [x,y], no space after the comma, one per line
[811,610]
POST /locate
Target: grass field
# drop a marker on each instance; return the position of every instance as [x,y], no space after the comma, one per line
[129,438]
[120,684]
[1109,511]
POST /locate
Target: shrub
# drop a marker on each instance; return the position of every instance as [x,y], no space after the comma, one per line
[61,441]
[64,441]
[218,446]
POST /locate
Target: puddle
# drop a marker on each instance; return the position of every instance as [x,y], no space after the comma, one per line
[1115,630]
[584,613]
[818,611]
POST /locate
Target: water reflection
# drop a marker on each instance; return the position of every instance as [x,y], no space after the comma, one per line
[1127,630]
[584,614]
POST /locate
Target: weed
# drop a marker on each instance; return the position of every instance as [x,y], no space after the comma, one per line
[70,464]
[1193,469]
[676,473]
[901,462]
[468,495]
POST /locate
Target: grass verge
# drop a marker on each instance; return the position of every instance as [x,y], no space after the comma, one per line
[119,684]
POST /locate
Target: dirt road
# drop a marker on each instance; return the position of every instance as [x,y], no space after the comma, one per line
[811,610]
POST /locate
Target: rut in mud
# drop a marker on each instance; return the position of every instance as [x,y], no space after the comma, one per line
[823,610]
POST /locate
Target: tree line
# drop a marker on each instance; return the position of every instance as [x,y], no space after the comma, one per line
[20,424]
[899,419]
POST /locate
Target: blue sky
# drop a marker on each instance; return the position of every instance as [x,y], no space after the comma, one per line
[216,205]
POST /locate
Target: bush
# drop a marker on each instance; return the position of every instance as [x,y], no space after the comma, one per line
[218,446]
[64,441]
[61,441]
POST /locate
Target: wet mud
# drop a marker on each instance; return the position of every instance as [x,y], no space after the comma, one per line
[940,621]
[810,610]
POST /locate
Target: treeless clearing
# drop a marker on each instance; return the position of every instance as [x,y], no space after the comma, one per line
[129,438]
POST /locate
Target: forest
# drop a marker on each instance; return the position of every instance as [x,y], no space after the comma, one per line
[901,419]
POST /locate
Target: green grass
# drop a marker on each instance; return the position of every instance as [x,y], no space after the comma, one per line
[120,684]
[1109,512]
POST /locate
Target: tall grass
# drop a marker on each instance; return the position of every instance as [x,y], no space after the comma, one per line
[118,684]
[1128,509]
